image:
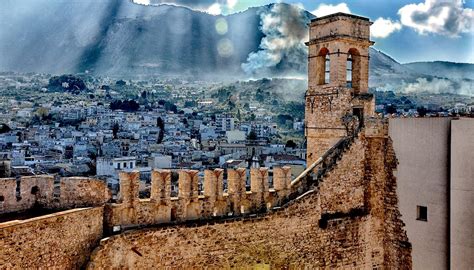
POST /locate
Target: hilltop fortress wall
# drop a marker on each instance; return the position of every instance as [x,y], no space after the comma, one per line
[191,204]
[61,240]
[41,192]
[347,218]
[350,220]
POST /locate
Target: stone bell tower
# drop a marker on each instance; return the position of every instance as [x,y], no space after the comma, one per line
[337,100]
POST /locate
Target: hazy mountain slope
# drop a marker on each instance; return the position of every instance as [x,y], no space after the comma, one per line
[444,69]
[117,37]
[384,69]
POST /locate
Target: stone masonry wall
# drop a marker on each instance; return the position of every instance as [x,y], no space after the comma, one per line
[82,192]
[383,203]
[287,239]
[33,190]
[343,189]
[60,241]
[38,191]
[190,204]
[322,229]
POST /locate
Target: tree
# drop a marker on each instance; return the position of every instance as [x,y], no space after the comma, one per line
[126,105]
[4,128]
[391,109]
[69,83]
[252,136]
[121,83]
[290,144]
[259,96]
[161,124]
[422,111]
[115,130]
[252,117]
[42,112]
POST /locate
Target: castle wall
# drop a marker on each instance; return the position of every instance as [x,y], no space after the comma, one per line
[289,238]
[82,192]
[39,192]
[317,230]
[62,240]
[8,195]
[382,203]
[34,191]
[343,189]
[190,204]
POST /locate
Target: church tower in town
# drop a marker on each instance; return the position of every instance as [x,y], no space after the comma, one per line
[337,100]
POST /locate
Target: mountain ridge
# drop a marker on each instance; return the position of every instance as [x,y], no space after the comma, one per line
[121,38]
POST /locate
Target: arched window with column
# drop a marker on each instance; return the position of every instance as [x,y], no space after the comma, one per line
[353,70]
[349,71]
[327,69]
[323,69]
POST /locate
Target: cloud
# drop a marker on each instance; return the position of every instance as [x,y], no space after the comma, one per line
[285,29]
[445,17]
[232,3]
[383,28]
[141,2]
[435,86]
[325,9]
[214,7]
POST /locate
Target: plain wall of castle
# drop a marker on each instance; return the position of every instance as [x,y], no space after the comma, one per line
[62,240]
[38,191]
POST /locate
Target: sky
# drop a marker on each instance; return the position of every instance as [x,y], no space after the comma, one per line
[407,30]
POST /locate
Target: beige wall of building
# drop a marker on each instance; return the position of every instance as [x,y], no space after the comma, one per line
[436,171]
[462,194]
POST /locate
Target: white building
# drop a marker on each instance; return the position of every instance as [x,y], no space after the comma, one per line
[111,166]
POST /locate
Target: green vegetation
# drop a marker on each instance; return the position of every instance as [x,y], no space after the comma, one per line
[69,83]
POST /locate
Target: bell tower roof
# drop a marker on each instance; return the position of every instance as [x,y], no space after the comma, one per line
[340,26]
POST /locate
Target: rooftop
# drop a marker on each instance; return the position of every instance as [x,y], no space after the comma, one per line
[341,14]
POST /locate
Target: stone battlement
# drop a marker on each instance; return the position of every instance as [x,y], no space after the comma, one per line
[212,201]
[48,192]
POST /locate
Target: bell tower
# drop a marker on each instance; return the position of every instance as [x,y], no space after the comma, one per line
[337,100]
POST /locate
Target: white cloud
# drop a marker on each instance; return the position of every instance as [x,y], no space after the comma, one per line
[324,9]
[382,28]
[215,9]
[142,2]
[445,17]
[231,3]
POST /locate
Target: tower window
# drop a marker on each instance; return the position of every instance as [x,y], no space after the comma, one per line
[349,71]
[327,69]
[323,67]
[353,70]
[422,213]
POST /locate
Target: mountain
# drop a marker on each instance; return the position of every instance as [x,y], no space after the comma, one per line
[444,69]
[385,70]
[120,38]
